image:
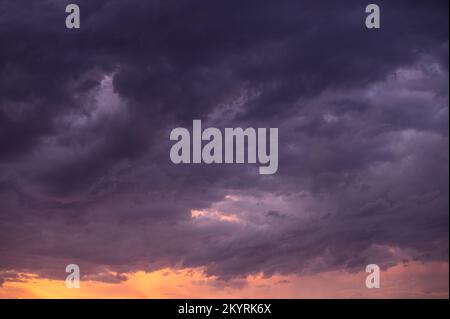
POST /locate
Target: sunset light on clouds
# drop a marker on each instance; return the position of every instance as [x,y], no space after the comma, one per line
[192,283]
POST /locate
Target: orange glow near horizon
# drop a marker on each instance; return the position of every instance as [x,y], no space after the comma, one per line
[414,280]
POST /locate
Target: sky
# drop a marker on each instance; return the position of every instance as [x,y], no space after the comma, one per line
[86,177]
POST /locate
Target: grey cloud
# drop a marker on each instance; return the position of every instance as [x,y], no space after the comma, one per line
[85,117]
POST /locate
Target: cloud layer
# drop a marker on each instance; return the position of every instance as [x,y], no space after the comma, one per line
[85,117]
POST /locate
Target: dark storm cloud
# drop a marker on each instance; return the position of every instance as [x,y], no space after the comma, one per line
[85,116]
